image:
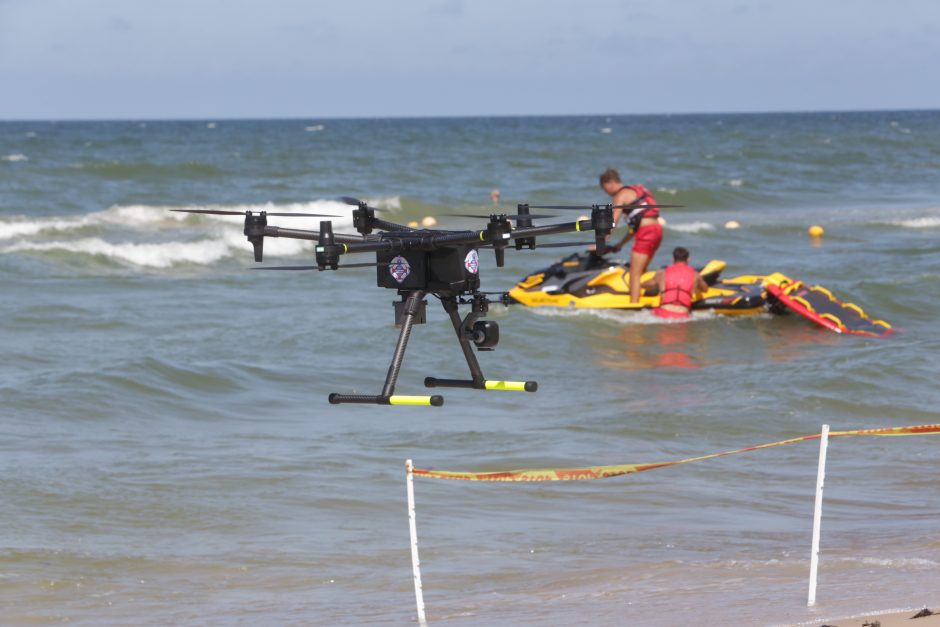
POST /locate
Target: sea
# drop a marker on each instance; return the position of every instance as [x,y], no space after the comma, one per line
[168,455]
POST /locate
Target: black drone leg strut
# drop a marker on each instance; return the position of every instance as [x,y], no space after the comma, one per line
[478,381]
[388,396]
[465,333]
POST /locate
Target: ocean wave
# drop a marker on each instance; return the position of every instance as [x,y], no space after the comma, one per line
[209,238]
[145,255]
[146,217]
[919,223]
[14,157]
[691,227]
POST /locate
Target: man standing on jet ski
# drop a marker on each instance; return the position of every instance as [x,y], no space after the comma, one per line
[645,229]
[678,284]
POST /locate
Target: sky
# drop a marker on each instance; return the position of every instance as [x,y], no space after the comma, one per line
[155,59]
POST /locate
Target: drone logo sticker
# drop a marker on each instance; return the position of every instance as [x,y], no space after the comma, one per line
[400,268]
[472,261]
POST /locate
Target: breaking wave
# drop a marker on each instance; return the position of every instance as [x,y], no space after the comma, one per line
[919,223]
[204,239]
[148,216]
[691,227]
[144,255]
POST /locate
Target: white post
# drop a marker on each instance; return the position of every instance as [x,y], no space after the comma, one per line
[415,562]
[817,514]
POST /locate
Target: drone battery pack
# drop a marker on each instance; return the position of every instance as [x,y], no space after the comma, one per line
[455,268]
[402,270]
[452,268]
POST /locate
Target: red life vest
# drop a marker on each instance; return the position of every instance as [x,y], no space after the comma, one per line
[643,198]
[679,282]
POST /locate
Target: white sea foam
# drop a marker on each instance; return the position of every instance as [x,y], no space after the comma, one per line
[621,316]
[607,130]
[315,128]
[146,255]
[148,217]
[219,236]
[929,222]
[14,157]
[898,562]
[691,227]
[220,242]
[736,182]
[19,227]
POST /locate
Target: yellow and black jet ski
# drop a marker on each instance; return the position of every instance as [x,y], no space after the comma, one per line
[587,280]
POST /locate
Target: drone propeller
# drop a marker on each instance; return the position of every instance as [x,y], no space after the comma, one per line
[346,265]
[586,208]
[552,245]
[220,212]
[563,244]
[349,200]
[510,217]
[635,206]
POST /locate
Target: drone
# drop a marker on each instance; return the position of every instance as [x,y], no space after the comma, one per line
[418,262]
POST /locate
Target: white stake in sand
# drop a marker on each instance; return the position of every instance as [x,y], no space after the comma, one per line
[817,514]
[415,562]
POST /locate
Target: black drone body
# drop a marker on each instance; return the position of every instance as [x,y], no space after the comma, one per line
[421,262]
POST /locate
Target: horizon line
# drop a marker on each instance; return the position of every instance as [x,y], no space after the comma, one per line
[458,117]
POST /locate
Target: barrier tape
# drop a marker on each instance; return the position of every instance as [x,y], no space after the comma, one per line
[603,472]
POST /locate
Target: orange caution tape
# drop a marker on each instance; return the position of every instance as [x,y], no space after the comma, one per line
[602,472]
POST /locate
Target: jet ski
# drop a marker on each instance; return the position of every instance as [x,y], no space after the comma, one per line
[588,280]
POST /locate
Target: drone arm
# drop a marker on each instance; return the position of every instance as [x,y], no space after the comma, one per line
[382,225]
[276,231]
[369,247]
[553,229]
[601,223]
[466,237]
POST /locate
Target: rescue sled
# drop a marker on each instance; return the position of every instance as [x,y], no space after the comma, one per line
[817,304]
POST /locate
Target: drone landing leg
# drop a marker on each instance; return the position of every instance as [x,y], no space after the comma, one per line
[388,396]
[478,381]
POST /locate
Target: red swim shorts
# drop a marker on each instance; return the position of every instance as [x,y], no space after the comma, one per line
[647,239]
[669,314]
